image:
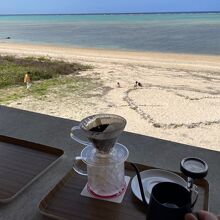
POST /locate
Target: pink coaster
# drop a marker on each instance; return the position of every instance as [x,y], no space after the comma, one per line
[117,199]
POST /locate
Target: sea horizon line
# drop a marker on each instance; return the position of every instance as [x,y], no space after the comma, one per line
[115,13]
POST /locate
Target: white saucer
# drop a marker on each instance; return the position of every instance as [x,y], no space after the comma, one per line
[150,178]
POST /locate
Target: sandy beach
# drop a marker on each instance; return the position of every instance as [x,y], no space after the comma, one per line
[179,99]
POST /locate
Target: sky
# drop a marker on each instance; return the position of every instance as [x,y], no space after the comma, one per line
[104,6]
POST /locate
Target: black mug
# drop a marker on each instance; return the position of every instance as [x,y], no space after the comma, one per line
[169,201]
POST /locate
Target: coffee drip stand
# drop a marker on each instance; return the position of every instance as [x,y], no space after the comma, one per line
[193,168]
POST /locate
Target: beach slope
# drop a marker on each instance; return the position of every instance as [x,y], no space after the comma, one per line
[178,100]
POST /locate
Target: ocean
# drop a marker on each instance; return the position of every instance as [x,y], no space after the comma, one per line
[189,33]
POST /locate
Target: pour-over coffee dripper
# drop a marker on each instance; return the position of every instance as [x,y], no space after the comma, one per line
[103,157]
[102,130]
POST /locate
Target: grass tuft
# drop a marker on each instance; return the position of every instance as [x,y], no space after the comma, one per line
[47,77]
[12,69]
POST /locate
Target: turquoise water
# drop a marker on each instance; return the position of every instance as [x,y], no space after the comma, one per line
[193,33]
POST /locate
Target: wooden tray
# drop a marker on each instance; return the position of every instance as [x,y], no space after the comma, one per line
[22,162]
[65,202]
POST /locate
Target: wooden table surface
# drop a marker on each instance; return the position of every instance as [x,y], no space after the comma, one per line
[55,131]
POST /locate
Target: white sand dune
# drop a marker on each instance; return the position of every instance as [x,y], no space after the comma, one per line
[179,99]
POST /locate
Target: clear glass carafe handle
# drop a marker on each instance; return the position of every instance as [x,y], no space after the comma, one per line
[80,166]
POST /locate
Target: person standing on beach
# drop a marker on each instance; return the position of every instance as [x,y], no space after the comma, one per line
[27,80]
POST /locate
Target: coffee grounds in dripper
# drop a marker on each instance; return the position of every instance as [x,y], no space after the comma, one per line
[99,128]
